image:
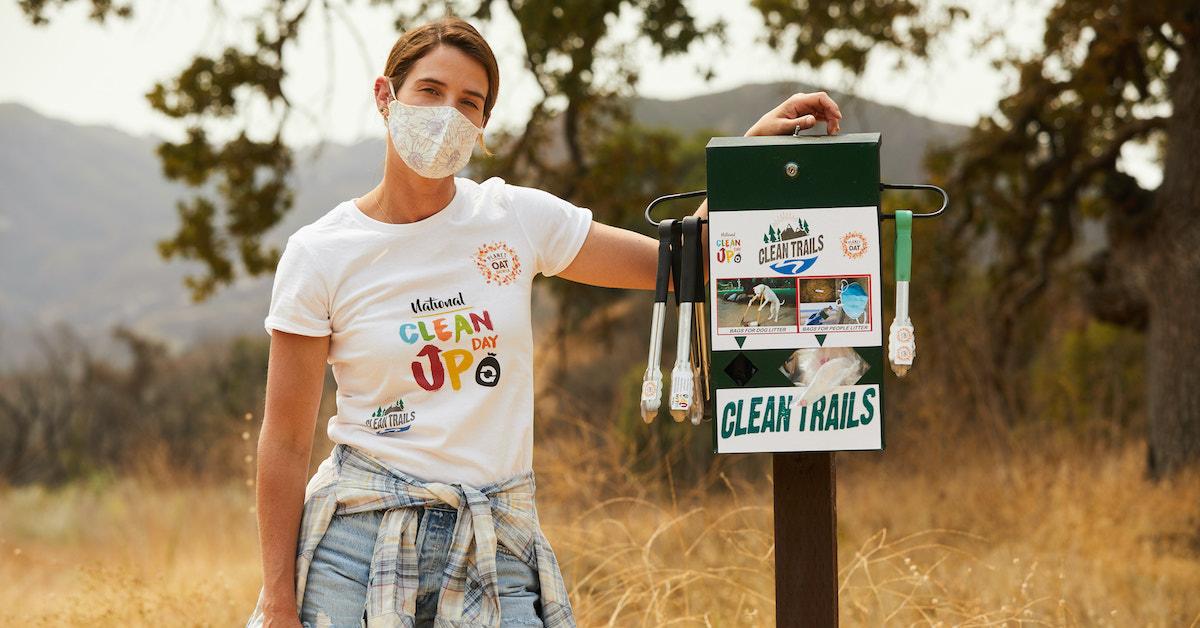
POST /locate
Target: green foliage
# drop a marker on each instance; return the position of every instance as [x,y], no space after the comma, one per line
[847,33]
[1111,74]
[76,414]
[35,10]
[1047,157]
[640,164]
[651,448]
[1092,376]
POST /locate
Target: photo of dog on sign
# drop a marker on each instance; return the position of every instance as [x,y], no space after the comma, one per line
[744,304]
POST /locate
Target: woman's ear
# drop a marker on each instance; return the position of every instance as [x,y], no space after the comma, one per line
[382,97]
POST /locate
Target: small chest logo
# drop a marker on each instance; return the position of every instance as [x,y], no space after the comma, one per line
[394,418]
[498,263]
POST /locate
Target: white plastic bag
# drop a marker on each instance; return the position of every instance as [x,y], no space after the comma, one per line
[821,369]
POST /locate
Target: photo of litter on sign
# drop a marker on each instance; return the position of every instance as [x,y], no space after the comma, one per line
[784,276]
[834,304]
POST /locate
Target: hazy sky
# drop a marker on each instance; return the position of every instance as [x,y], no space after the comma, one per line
[81,71]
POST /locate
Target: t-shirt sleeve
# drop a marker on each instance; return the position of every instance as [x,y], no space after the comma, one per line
[556,228]
[299,297]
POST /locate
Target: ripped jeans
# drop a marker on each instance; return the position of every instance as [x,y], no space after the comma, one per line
[336,592]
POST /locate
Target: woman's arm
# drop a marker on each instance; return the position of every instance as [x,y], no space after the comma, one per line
[612,257]
[295,382]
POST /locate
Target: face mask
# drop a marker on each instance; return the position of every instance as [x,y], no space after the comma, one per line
[435,142]
[854,299]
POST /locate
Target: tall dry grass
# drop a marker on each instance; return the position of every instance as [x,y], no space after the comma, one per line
[956,534]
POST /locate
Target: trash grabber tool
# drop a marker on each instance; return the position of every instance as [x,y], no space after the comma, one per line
[902,338]
[683,375]
[652,380]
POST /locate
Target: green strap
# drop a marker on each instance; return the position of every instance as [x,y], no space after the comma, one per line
[903,244]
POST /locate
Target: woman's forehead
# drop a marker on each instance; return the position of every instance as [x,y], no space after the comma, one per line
[450,66]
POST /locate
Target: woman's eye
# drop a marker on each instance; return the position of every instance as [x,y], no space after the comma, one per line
[429,89]
[471,103]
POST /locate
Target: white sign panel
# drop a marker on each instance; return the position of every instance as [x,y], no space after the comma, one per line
[780,277]
[779,419]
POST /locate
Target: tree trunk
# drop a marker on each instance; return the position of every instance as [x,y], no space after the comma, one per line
[1173,297]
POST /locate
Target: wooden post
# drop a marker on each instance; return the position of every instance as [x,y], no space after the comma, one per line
[806,573]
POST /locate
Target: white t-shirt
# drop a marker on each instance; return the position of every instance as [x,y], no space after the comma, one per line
[431,345]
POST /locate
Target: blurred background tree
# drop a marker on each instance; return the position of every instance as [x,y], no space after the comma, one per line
[1111,73]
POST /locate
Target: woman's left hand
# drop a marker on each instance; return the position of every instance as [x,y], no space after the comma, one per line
[800,110]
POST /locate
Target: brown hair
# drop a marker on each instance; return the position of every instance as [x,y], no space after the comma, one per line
[452,31]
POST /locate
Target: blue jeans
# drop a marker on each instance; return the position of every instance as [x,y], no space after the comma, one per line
[336,592]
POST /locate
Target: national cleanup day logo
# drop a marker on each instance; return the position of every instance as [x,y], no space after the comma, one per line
[789,249]
[458,341]
[728,248]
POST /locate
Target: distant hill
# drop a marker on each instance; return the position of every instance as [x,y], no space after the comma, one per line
[905,136]
[81,210]
[82,206]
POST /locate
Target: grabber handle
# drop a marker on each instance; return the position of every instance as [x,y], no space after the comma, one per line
[903,244]
[676,257]
[691,239]
[665,230]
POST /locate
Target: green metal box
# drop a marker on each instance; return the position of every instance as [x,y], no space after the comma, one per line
[795,296]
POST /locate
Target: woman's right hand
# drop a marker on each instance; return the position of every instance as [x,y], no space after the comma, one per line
[800,111]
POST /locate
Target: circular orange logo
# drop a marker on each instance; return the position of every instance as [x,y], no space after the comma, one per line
[854,244]
[498,263]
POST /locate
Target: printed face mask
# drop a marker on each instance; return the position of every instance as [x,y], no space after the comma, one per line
[854,300]
[435,142]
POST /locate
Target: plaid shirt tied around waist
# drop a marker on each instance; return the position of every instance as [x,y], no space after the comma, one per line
[351,480]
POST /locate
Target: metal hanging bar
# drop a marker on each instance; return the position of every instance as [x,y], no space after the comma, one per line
[671,197]
[883,186]
[916,186]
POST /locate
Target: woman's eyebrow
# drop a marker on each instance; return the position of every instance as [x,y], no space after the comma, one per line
[443,84]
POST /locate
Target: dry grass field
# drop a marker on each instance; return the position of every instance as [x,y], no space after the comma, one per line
[958,536]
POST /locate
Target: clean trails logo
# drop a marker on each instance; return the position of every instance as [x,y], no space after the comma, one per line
[393,418]
[790,250]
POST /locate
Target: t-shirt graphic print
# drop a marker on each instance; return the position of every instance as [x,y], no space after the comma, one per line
[429,322]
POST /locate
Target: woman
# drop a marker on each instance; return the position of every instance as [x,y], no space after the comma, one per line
[418,294]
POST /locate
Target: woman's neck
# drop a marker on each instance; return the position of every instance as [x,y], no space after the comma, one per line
[404,196]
